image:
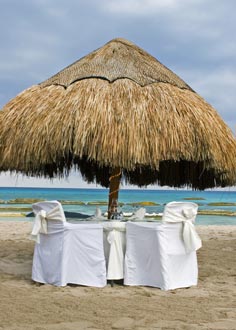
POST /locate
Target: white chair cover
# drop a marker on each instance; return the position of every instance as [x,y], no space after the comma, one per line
[47,210]
[156,256]
[186,213]
[69,253]
[114,246]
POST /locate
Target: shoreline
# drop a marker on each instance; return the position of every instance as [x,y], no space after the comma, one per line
[17,211]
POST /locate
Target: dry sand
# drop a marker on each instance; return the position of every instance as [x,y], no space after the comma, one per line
[25,305]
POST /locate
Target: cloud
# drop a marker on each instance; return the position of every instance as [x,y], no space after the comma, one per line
[140,7]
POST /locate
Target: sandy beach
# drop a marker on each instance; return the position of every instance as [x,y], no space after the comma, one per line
[25,305]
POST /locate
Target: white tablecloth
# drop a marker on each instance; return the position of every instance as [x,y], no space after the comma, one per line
[114,248]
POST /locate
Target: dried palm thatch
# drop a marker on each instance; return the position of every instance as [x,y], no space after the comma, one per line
[118,107]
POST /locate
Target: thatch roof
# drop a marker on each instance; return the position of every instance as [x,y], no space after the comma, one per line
[118,59]
[118,107]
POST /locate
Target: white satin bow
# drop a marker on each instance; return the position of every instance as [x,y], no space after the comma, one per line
[115,233]
[39,226]
[40,221]
[191,238]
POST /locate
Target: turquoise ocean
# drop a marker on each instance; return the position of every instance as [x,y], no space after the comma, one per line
[129,201]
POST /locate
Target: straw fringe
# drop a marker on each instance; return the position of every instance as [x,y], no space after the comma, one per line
[119,124]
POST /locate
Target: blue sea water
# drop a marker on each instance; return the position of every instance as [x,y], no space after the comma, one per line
[127,197]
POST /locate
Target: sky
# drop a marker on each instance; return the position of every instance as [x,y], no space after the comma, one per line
[193,38]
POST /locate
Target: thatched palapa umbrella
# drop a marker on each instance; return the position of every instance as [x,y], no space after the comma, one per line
[118,112]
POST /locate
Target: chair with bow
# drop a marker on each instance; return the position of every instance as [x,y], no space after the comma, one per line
[164,254]
[184,213]
[66,252]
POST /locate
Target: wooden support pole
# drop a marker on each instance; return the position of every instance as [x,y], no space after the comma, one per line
[114,190]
